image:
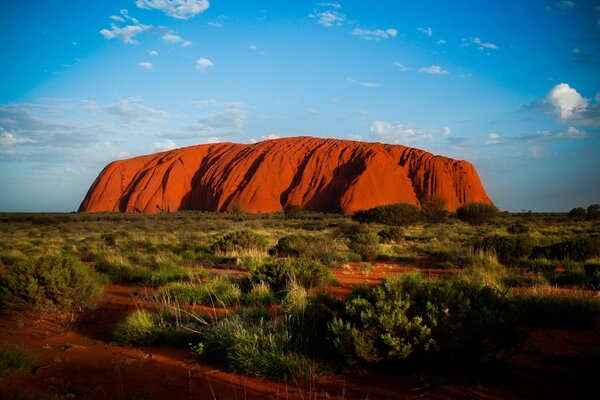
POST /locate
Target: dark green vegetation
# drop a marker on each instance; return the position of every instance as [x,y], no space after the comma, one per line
[249,291]
[13,360]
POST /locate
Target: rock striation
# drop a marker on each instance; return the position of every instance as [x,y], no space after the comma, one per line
[317,174]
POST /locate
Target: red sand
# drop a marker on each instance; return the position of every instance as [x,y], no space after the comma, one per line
[317,174]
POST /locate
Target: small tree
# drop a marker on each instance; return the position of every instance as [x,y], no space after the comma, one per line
[593,212]
[577,214]
[477,213]
[399,214]
[434,208]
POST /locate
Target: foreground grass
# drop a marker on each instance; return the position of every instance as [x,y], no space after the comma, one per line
[12,359]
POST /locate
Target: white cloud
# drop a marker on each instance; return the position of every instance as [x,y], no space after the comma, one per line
[145,65]
[567,103]
[328,18]
[253,47]
[167,144]
[230,118]
[494,138]
[565,5]
[426,31]
[172,38]
[434,70]
[180,9]
[8,139]
[268,137]
[203,63]
[312,112]
[131,111]
[441,41]
[574,132]
[370,85]
[335,5]
[215,24]
[400,66]
[481,45]
[212,140]
[446,131]
[153,53]
[398,133]
[127,33]
[376,34]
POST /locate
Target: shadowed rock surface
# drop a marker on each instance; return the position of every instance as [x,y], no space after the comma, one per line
[317,174]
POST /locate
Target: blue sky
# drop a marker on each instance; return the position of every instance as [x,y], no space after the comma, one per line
[511,86]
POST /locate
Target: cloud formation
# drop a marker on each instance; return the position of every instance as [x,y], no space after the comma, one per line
[145,64]
[478,43]
[127,33]
[172,38]
[376,34]
[180,9]
[328,18]
[398,133]
[203,63]
[370,85]
[131,111]
[426,31]
[434,70]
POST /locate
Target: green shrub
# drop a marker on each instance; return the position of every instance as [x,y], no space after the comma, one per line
[363,241]
[434,208]
[477,213]
[517,229]
[393,234]
[292,246]
[324,250]
[13,360]
[411,317]
[538,264]
[50,281]
[400,214]
[239,241]
[578,248]
[508,249]
[216,292]
[163,269]
[304,271]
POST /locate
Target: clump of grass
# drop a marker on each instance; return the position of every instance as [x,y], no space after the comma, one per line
[12,359]
[553,309]
[240,241]
[538,264]
[304,271]
[259,348]
[50,281]
[217,292]
[143,327]
[295,300]
[162,269]
[260,294]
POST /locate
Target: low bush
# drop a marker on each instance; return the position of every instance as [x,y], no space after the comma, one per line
[292,246]
[163,269]
[538,264]
[240,241]
[260,294]
[508,249]
[477,213]
[593,212]
[293,212]
[393,234]
[304,271]
[50,281]
[577,214]
[517,229]
[411,317]
[434,209]
[323,249]
[363,241]
[578,248]
[12,359]
[400,214]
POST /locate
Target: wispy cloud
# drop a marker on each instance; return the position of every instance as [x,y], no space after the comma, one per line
[370,85]
[434,70]
[398,133]
[426,31]
[153,53]
[203,63]
[172,38]
[145,65]
[399,66]
[132,111]
[376,34]
[328,18]
[335,5]
[478,43]
[166,144]
[126,33]
[230,118]
[180,9]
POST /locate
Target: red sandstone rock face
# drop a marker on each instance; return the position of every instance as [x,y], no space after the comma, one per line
[316,174]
